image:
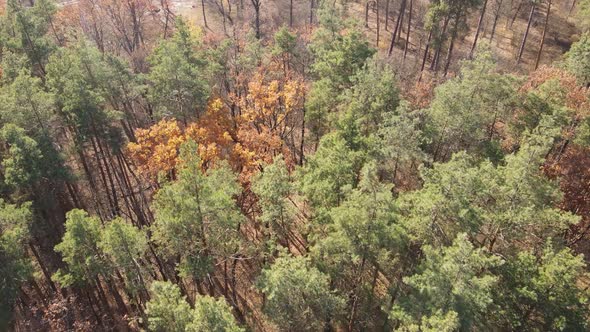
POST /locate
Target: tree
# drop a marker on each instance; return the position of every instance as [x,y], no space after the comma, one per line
[400,141]
[327,173]
[373,95]
[541,291]
[15,267]
[583,14]
[24,31]
[365,235]
[214,315]
[506,207]
[466,109]
[298,297]
[167,309]
[23,161]
[80,251]
[577,60]
[196,217]
[337,58]
[178,77]
[534,4]
[273,188]
[156,149]
[125,246]
[453,289]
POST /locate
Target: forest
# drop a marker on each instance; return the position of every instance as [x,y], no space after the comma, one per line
[300,165]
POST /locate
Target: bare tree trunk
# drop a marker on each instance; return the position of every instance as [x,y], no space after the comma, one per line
[479,23]
[435,59]
[222,9]
[496,17]
[407,44]
[572,8]
[378,25]
[367,14]
[526,34]
[516,14]
[398,25]
[291,13]
[310,12]
[544,34]
[425,54]
[256,4]
[452,45]
[204,15]
[44,269]
[387,15]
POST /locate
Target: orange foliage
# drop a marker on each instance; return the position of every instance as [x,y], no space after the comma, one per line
[574,178]
[247,140]
[576,96]
[157,148]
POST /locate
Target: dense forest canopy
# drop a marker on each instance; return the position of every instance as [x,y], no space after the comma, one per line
[301,165]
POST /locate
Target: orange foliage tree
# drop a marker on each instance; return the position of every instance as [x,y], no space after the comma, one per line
[264,128]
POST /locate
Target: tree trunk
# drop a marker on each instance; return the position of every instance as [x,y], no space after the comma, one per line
[387,15]
[516,14]
[425,54]
[378,25]
[526,34]
[44,270]
[204,15]
[544,34]
[496,17]
[479,23]
[367,14]
[407,44]
[310,12]
[451,45]
[256,4]
[291,13]
[398,25]
[435,59]
[572,8]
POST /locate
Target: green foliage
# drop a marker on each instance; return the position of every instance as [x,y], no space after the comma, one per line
[453,289]
[542,293]
[25,103]
[364,235]
[15,266]
[273,188]
[465,109]
[298,298]
[512,199]
[285,42]
[24,30]
[125,245]
[80,250]
[365,228]
[177,79]
[337,59]
[326,174]
[583,14]
[212,315]
[577,59]
[373,96]
[23,159]
[196,215]
[167,311]
[80,79]
[400,140]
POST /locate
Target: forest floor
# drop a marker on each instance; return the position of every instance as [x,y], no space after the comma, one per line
[561,32]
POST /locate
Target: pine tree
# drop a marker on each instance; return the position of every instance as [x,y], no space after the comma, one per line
[298,297]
